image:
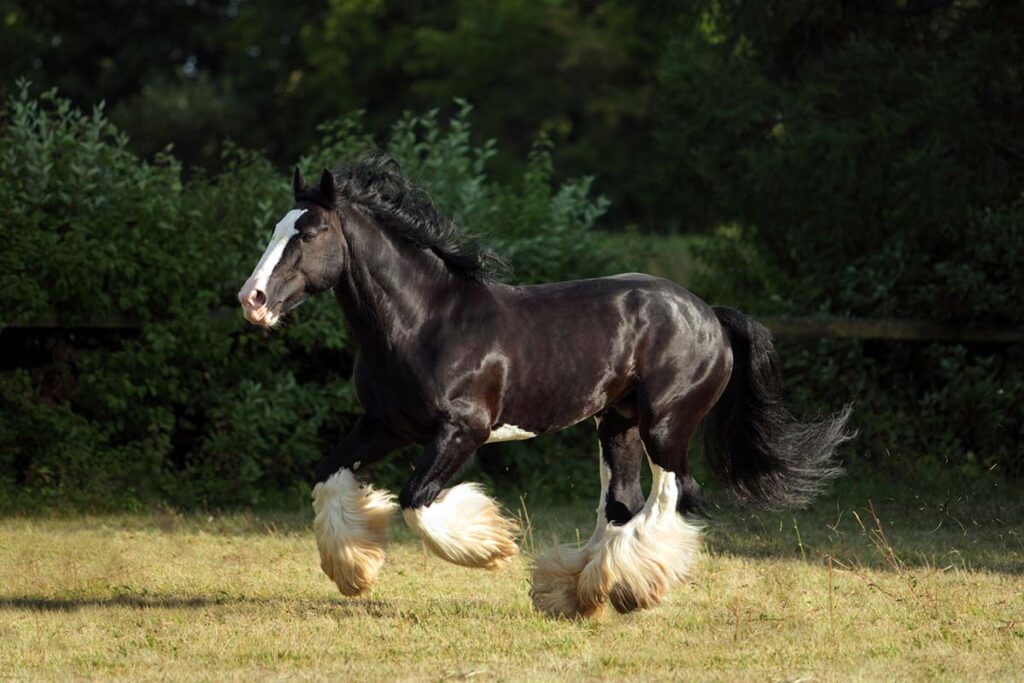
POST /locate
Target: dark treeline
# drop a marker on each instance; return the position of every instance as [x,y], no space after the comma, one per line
[265,73]
[856,157]
[665,101]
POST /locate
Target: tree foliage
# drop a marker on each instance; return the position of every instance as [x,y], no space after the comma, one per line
[266,73]
[861,157]
[189,409]
[866,160]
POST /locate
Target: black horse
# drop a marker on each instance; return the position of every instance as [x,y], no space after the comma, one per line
[450,359]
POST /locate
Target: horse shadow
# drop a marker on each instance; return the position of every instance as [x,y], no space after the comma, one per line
[135,601]
[329,605]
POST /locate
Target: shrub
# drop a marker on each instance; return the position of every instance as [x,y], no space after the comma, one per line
[191,409]
[866,158]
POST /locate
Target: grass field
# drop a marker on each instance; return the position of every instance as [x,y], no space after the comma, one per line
[868,585]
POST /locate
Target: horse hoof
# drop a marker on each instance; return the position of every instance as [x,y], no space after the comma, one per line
[351,531]
[625,598]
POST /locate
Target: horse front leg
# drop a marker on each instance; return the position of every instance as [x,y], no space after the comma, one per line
[352,518]
[460,524]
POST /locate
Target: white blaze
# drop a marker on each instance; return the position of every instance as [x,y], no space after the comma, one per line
[283,231]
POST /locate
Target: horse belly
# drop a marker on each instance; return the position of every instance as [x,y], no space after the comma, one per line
[555,390]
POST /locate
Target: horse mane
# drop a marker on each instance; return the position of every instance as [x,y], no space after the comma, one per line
[375,183]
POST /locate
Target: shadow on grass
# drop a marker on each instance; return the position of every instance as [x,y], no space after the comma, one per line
[40,604]
[336,607]
[172,602]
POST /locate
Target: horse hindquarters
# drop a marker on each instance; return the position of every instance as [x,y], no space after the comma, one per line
[639,562]
[751,441]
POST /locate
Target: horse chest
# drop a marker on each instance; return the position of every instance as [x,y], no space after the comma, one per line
[394,395]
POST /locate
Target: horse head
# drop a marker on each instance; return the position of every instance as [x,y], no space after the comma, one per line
[305,255]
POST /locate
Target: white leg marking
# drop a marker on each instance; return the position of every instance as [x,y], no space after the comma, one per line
[508,433]
[466,527]
[553,586]
[351,530]
[637,563]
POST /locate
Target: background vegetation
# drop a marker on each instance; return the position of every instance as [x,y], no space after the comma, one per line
[861,157]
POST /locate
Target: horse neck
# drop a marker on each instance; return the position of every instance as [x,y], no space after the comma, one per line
[388,287]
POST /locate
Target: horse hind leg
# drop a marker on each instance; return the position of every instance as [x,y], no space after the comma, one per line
[638,563]
[554,583]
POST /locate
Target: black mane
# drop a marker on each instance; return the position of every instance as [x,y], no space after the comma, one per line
[375,184]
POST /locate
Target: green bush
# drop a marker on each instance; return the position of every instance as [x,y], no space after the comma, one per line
[866,163]
[191,409]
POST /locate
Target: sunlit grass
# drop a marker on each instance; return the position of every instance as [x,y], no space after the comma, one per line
[851,590]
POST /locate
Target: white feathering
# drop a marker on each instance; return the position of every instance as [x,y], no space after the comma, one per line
[637,563]
[351,528]
[466,527]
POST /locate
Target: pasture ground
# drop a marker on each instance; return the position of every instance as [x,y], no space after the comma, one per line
[866,586]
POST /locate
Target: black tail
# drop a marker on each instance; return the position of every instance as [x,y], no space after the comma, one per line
[751,441]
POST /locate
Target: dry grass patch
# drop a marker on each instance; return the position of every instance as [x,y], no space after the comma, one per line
[242,597]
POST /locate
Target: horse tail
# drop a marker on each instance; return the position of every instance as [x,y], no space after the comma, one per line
[752,442]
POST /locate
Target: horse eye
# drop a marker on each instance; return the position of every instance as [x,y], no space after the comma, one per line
[307,237]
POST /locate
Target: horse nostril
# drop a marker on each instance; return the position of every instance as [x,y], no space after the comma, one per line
[258,298]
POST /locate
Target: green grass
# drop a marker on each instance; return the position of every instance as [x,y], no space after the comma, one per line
[874,583]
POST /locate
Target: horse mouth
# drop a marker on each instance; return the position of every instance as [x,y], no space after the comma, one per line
[262,317]
[268,316]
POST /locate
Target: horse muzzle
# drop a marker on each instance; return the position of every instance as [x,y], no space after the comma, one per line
[254,306]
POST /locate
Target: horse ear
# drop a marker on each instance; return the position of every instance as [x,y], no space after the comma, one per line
[327,185]
[298,184]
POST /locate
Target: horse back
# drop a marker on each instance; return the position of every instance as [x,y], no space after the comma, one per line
[571,349]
